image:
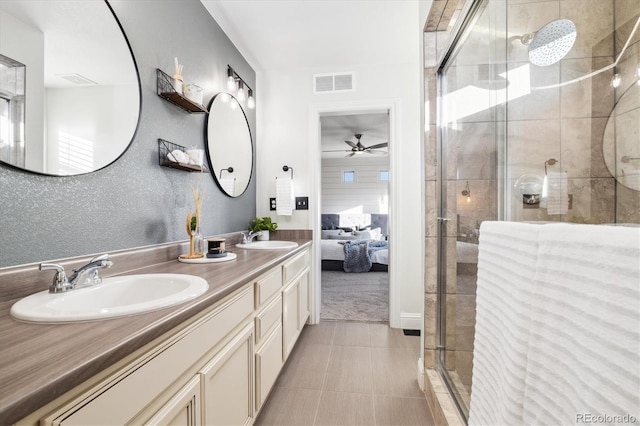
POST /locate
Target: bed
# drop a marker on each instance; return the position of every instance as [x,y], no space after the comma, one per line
[347,233]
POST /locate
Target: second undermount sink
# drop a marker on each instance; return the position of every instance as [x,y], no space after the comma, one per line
[114,297]
[268,245]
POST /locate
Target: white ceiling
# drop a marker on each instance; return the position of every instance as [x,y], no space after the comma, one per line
[286,34]
[333,35]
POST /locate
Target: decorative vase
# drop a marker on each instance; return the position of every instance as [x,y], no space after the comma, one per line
[264,236]
[193,240]
[198,241]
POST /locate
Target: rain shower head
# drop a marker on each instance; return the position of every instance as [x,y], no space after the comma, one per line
[550,43]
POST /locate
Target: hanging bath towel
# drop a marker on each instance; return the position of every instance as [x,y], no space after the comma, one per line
[284,196]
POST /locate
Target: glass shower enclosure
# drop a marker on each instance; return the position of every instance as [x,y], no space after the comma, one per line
[538,120]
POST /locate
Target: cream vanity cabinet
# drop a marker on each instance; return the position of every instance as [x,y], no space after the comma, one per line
[217,369]
[203,374]
[282,305]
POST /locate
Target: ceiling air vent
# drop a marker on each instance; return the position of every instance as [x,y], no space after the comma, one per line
[331,83]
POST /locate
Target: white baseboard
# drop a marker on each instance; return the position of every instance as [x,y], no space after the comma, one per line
[411,321]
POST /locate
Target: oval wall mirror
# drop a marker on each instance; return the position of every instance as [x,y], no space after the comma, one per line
[621,142]
[228,145]
[69,86]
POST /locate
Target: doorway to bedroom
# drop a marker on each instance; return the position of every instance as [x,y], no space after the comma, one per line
[354,200]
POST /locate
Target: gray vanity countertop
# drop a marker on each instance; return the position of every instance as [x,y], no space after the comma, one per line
[40,362]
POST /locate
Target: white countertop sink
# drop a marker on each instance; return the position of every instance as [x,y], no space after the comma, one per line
[114,297]
[268,245]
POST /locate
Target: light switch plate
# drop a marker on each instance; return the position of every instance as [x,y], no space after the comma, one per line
[302,203]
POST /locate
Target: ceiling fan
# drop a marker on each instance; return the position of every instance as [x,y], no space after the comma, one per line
[358,148]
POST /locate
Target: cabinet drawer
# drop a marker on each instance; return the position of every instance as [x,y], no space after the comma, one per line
[296,265]
[267,318]
[119,402]
[267,286]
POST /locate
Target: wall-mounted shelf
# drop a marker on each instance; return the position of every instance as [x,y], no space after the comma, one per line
[166,91]
[165,148]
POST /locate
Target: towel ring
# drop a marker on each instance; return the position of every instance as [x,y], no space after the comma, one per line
[286,169]
[228,169]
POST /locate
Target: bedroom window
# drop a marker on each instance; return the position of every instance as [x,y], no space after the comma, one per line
[349,176]
[383,175]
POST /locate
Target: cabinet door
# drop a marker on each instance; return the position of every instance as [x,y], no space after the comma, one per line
[303,301]
[268,365]
[181,410]
[290,321]
[227,383]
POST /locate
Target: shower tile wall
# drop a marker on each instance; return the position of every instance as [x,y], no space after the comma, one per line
[568,122]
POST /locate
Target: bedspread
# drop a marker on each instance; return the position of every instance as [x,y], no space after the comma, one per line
[357,254]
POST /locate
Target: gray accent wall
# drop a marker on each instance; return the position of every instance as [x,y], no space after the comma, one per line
[135,202]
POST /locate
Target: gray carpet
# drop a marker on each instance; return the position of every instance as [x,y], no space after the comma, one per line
[355,296]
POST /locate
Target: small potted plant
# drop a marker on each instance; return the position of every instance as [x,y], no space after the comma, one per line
[264,225]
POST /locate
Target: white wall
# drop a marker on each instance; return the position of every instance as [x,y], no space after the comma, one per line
[286,106]
[94,119]
[366,195]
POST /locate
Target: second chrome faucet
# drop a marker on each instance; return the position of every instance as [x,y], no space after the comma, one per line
[247,238]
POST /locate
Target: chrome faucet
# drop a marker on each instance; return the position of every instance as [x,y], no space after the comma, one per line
[84,276]
[247,238]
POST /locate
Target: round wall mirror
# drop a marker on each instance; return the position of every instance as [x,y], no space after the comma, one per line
[621,142]
[69,86]
[228,145]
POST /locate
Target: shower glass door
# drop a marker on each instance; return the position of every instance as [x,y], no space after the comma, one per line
[510,119]
[473,89]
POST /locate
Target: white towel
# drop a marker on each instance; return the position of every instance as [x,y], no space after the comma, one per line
[584,350]
[284,196]
[545,192]
[555,195]
[228,185]
[559,305]
[506,267]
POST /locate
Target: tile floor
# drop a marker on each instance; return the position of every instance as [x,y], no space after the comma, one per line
[349,373]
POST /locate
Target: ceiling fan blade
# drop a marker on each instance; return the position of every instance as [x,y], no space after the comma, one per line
[351,144]
[379,145]
[350,155]
[376,152]
[338,150]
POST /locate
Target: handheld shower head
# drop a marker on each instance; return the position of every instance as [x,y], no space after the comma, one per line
[550,43]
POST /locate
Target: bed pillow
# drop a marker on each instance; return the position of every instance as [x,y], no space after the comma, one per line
[327,233]
[377,233]
[363,235]
[342,237]
[372,234]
